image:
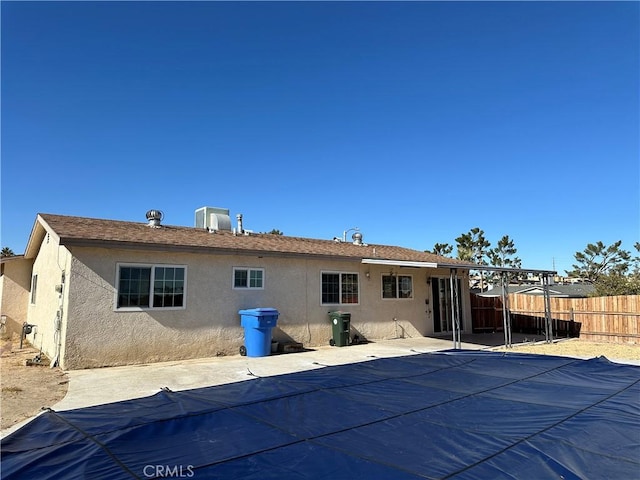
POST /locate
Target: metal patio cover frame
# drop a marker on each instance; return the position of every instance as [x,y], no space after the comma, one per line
[504,285]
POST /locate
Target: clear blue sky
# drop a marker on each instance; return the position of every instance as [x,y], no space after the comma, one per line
[414,121]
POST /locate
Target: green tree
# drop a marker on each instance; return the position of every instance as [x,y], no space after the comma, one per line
[472,247]
[615,284]
[275,231]
[598,259]
[7,252]
[503,255]
[636,260]
[442,249]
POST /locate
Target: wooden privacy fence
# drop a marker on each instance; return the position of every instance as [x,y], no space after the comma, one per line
[597,319]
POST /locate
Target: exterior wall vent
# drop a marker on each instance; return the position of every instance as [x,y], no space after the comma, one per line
[154,217]
[213,219]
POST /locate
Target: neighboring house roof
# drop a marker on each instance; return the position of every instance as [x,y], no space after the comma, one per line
[569,291]
[11,258]
[81,231]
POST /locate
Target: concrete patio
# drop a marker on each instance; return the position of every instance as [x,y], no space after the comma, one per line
[106,385]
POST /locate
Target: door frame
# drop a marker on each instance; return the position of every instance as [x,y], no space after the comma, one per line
[443,314]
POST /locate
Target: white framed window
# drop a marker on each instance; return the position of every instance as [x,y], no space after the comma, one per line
[339,288]
[34,288]
[151,287]
[248,278]
[397,286]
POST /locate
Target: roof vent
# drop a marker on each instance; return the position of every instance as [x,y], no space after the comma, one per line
[213,219]
[357,238]
[154,217]
[240,229]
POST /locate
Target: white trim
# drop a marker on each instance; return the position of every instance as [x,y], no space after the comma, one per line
[248,270]
[339,273]
[152,266]
[34,289]
[457,266]
[397,297]
[402,263]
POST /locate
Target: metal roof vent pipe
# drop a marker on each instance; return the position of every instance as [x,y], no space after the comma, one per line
[357,238]
[154,217]
[240,230]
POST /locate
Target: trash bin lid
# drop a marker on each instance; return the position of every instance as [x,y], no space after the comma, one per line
[259,312]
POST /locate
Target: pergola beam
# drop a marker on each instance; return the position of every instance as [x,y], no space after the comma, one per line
[455,294]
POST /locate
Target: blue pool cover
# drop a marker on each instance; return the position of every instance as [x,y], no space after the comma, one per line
[455,414]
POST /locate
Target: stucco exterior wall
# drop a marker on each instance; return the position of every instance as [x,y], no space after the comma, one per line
[97,334]
[47,311]
[15,284]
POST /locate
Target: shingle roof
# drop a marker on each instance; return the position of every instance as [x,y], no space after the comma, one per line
[115,233]
[556,290]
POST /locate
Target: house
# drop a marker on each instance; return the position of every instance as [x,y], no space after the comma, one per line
[15,281]
[577,290]
[105,292]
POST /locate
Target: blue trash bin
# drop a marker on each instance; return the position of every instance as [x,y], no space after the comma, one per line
[257,323]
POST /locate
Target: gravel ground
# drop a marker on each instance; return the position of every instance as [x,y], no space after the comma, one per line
[581,349]
[26,389]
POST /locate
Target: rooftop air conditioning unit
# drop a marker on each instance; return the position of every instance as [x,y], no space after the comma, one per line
[213,218]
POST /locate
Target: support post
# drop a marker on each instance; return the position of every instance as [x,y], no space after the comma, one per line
[506,310]
[548,325]
[455,309]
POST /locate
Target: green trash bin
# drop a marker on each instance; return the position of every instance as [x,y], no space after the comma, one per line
[341,328]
